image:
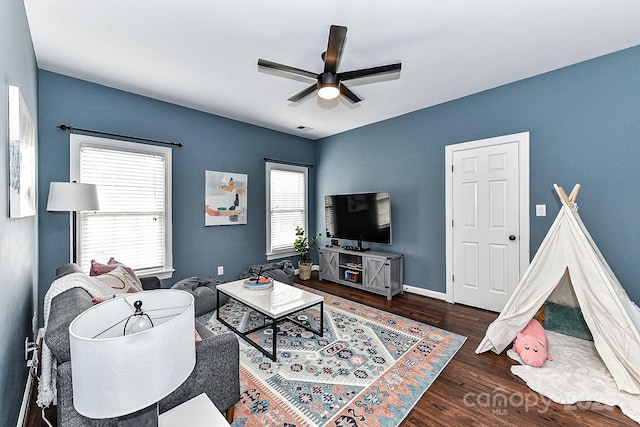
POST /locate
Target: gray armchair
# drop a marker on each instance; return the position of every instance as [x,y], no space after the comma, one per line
[216,372]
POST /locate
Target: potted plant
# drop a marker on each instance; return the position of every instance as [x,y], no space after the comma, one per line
[302,246]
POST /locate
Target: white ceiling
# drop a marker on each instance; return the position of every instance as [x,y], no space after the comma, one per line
[203,54]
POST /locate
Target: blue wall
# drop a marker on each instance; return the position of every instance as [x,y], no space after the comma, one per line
[18,237]
[211,143]
[585,128]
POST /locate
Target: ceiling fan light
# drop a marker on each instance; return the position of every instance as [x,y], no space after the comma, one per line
[328,86]
[328,91]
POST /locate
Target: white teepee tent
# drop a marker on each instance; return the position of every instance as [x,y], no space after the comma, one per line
[568,265]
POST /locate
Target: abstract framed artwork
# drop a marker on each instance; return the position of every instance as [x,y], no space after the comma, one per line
[225,198]
[22,157]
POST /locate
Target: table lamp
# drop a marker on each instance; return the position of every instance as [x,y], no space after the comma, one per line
[125,375]
[72,197]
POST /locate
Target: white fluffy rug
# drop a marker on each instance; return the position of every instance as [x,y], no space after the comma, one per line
[576,374]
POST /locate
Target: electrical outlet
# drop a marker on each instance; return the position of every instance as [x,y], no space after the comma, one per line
[541,210]
[31,353]
[220,270]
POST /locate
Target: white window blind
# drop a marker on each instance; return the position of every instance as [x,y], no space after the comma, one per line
[286,207]
[134,221]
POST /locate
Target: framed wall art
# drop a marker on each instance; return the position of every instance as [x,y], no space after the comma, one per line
[22,157]
[225,198]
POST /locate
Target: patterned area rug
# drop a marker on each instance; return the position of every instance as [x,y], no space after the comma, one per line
[369,369]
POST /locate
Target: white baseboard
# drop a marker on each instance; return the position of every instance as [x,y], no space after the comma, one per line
[26,397]
[425,292]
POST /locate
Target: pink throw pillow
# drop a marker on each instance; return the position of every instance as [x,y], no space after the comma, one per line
[120,280]
[97,269]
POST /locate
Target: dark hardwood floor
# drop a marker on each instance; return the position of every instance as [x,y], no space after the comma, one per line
[473,390]
[469,391]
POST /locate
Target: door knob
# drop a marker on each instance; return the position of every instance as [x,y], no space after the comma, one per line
[512,237]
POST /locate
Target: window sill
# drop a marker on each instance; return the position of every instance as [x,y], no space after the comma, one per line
[279,255]
[159,273]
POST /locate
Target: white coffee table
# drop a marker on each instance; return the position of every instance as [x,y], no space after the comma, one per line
[197,412]
[275,304]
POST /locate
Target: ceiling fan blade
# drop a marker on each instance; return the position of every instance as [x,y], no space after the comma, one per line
[373,71]
[337,36]
[303,93]
[286,69]
[347,93]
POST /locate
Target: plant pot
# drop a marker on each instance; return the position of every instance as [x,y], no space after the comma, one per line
[305,270]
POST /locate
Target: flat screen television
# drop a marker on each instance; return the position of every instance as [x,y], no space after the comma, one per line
[363,217]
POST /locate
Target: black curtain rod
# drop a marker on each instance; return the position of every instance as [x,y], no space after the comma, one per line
[72,129]
[284,162]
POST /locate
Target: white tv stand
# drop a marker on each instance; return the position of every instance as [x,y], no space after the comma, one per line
[377,272]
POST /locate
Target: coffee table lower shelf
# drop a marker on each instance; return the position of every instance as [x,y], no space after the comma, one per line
[270,321]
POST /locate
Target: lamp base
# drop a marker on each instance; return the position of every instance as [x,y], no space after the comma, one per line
[146,417]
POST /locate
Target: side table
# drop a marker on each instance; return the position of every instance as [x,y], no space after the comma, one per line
[197,412]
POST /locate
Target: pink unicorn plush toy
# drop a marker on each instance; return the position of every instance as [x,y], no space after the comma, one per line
[531,344]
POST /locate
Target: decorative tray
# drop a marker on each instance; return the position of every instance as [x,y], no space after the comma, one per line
[258,284]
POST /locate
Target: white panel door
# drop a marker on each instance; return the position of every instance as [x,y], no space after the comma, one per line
[485,223]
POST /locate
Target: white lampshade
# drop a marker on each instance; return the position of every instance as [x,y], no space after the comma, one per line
[115,374]
[72,196]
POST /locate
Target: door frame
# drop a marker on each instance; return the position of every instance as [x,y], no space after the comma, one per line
[523,159]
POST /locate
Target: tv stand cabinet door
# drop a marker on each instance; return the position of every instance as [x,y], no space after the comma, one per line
[328,265]
[376,274]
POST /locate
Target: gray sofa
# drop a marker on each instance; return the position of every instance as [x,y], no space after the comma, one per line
[217,360]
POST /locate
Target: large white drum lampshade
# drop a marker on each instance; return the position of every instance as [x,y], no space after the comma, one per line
[115,374]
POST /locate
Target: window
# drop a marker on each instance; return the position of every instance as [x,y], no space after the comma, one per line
[286,207]
[133,224]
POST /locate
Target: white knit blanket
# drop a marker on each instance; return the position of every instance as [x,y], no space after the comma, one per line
[576,376]
[47,386]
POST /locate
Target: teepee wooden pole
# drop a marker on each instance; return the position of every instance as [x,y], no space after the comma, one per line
[568,200]
[574,193]
[562,195]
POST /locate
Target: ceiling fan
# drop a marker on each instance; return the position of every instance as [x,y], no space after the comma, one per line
[329,82]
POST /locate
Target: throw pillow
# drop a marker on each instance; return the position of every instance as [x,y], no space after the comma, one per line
[566,320]
[121,280]
[98,269]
